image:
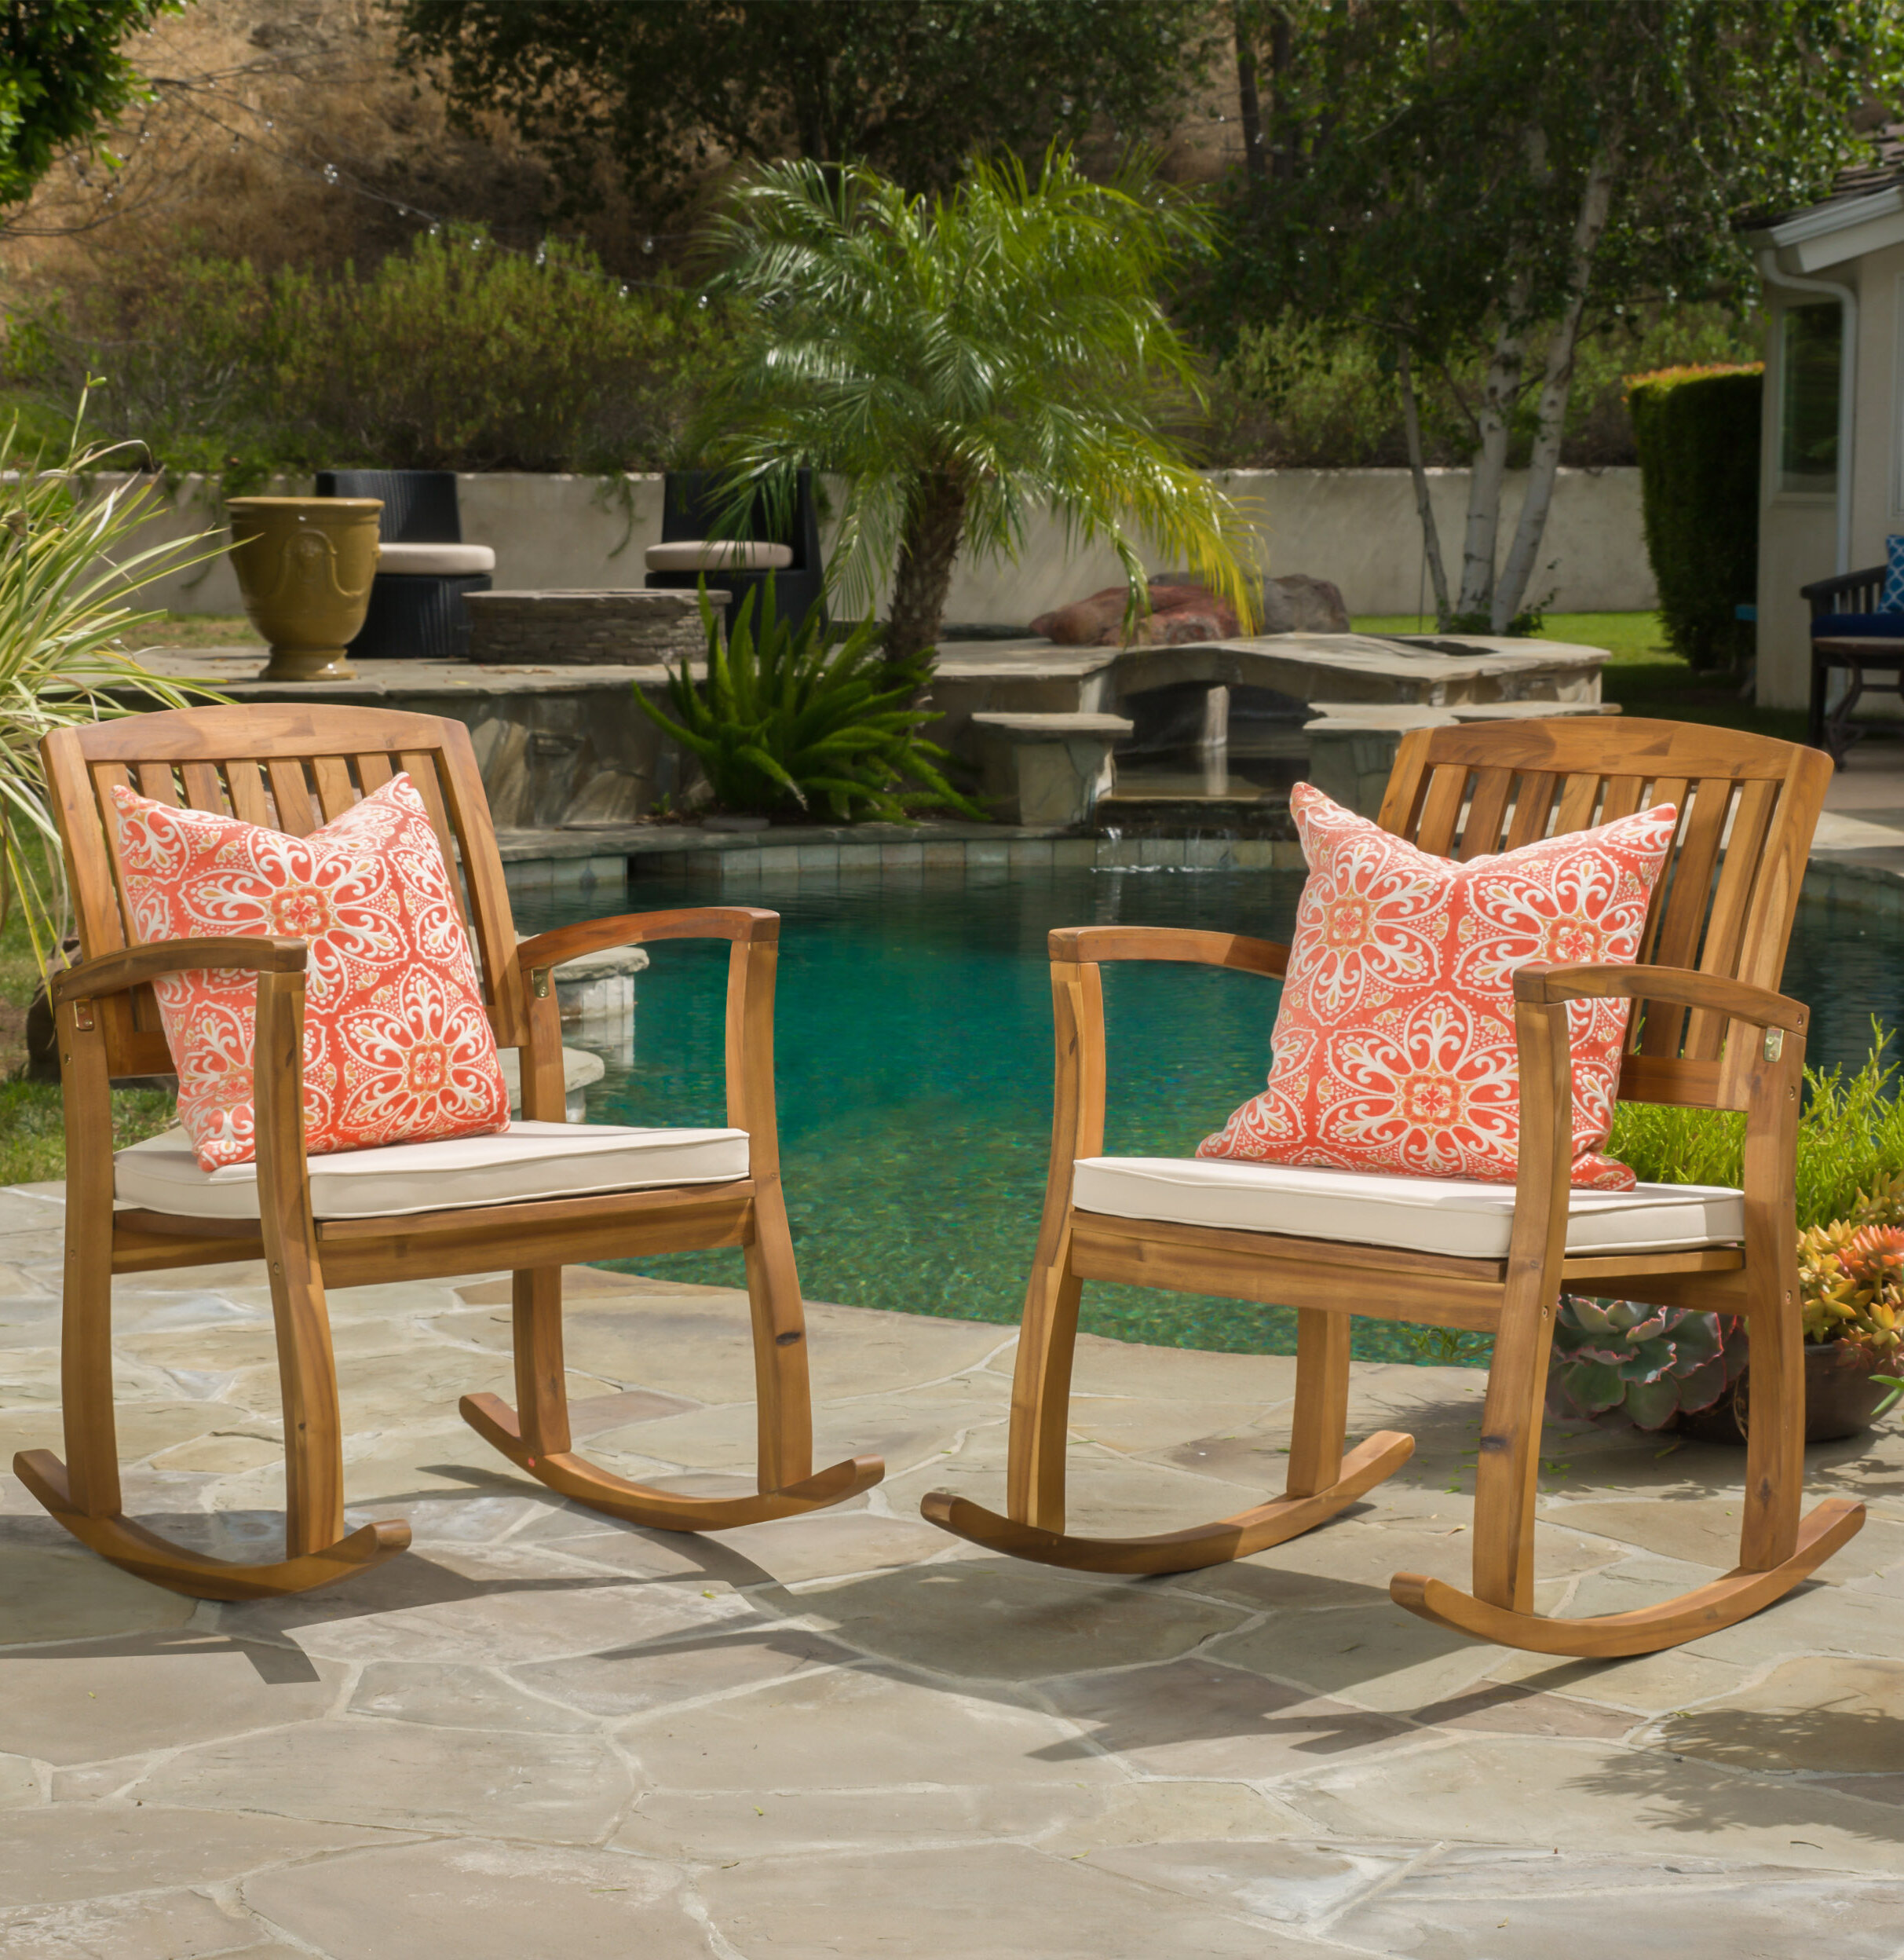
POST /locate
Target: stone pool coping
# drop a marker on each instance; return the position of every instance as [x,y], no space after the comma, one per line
[543,861]
[1857,873]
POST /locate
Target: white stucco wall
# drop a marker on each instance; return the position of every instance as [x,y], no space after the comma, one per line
[1798,535]
[1356,527]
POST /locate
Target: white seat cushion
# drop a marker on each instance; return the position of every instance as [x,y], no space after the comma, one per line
[435,560]
[719,554]
[527,1160]
[1417,1214]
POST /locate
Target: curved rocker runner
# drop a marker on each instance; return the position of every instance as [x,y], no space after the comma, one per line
[1715,1037]
[293,769]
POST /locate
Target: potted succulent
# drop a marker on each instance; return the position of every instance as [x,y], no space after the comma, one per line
[1653,1365]
[1851,1278]
[1662,1365]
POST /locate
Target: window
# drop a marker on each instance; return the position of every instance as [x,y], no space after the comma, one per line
[1809,374]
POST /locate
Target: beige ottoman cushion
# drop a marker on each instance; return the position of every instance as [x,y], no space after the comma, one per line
[719,554]
[435,560]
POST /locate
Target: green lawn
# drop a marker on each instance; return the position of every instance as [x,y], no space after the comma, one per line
[32,1136]
[1645,676]
[194,629]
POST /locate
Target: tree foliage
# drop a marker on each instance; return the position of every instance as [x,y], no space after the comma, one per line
[1476,178]
[62,79]
[663,91]
[966,363]
[452,354]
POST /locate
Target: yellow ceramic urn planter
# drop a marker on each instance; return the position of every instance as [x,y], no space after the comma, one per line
[304,566]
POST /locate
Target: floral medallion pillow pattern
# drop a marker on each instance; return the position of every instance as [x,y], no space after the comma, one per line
[397,1048]
[1393,1047]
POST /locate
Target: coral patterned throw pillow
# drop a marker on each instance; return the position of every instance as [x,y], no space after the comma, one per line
[1393,1047]
[397,1048]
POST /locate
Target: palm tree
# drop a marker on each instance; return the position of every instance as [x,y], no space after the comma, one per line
[964,363]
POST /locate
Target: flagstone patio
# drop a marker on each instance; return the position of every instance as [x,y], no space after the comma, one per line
[848,1734]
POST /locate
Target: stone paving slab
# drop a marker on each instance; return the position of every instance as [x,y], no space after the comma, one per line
[849,1734]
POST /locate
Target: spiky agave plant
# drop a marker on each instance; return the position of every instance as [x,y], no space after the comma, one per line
[68,564]
[785,718]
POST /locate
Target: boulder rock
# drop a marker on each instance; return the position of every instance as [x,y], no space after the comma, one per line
[1180,611]
[1299,604]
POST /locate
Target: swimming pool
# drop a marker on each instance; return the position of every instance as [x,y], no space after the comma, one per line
[914,1069]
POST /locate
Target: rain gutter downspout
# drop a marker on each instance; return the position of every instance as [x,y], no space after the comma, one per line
[1766,260]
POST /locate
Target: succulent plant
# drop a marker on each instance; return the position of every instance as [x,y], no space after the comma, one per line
[1655,1363]
[1850,1274]
[1650,1363]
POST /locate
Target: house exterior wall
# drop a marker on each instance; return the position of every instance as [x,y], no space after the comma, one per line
[1798,534]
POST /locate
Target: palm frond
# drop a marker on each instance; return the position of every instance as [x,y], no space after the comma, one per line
[68,569]
[1008,337]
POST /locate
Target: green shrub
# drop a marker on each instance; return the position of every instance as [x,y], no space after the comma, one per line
[1850,1139]
[1297,394]
[1698,430]
[1293,393]
[786,720]
[454,354]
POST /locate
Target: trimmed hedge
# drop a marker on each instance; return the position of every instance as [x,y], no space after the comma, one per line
[1698,431]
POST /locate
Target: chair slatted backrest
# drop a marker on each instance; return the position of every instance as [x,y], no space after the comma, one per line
[1748,806]
[289,767]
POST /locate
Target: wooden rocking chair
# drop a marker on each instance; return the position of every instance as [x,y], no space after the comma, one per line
[1707,1031]
[292,768]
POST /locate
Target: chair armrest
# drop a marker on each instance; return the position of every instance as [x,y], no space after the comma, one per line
[744,925]
[1821,592]
[1094,943]
[1737,999]
[115,972]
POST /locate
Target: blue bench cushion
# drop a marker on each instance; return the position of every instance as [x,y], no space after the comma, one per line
[1858,625]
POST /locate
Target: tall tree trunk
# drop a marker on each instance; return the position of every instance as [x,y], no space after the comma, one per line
[1490,464]
[1589,228]
[1425,504]
[1498,395]
[1282,124]
[935,523]
[1249,110]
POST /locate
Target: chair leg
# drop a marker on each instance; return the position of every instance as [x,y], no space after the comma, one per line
[538,1440]
[85,1369]
[1322,1480]
[1777,1548]
[1321,1422]
[1041,1395]
[86,1498]
[1506,1475]
[1774,1441]
[783,1414]
[542,1373]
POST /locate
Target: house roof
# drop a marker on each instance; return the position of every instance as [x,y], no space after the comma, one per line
[1864,211]
[1883,169]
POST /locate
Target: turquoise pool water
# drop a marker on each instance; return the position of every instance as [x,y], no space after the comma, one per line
[914,1070]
